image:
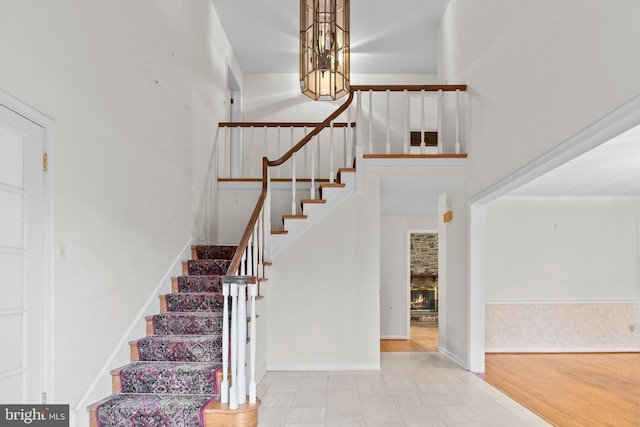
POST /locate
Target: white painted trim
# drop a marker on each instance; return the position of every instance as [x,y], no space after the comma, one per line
[613,124]
[603,199]
[395,337]
[49,262]
[410,163]
[325,367]
[451,356]
[561,302]
[563,350]
[476,291]
[119,356]
[638,276]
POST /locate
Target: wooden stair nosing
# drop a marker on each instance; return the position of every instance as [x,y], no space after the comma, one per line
[277,232]
[284,217]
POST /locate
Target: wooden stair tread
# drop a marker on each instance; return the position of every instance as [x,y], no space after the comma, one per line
[279,232]
[294,217]
[346,170]
[333,185]
[318,201]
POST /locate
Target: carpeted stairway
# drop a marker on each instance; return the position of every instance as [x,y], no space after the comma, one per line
[175,370]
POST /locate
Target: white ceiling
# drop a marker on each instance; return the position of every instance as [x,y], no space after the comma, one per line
[610,170]
[387,37]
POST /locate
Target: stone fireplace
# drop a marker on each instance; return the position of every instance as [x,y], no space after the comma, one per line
[424,276]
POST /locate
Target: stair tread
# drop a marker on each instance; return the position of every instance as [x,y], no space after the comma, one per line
[335,184]
[153,409]
[316,201]
[279,232]
[167,377]
[294,216]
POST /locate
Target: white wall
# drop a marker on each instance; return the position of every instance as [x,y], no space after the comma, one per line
[135,90]
[562,249]
[324,289]
[538,72]
[394,270]
[562,274]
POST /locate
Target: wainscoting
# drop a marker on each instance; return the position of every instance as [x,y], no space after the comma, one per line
[549,326]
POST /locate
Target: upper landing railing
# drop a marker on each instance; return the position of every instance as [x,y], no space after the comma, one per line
[411,119]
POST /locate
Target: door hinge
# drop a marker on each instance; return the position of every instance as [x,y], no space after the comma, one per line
[43,398]
[45,162]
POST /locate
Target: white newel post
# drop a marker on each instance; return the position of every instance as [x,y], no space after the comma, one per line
[242,343]
[233,390]
[224,387]
[253,289]
[313,167]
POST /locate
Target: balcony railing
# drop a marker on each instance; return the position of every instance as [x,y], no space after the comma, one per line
[383,121]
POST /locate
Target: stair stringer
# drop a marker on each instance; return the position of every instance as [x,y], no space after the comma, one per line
[297,227]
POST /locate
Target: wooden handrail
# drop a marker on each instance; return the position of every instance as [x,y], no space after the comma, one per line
[410,88]
[266,163]
[279,124]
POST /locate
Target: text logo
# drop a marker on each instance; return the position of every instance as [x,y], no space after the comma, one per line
[34,415]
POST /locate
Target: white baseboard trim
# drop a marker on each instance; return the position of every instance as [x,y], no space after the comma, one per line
[394,337]
[563,350]
[118,357]
[325,367]
[454,358]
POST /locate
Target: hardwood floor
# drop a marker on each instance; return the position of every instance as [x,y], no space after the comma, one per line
[424,337]
[597,389]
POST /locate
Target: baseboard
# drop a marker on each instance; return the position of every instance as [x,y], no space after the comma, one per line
[394,337]
[325,367]
[562,350]
[454,358]
[101,385]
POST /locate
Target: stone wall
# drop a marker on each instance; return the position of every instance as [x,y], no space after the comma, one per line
[424,254]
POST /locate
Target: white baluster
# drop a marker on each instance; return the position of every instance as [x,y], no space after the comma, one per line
[293,184]
[349,142]
[313,168]
[370,121]
[260,248]
[255,248]
[407,131]
[224,387]
[242,343]
[318,171]
[359,119]
[457,147]
[242,271]
[249,252]
[233,390]
[267,219]
[253,290]
[388,143]
[279,151]
[440,148]
[331,171]
[251,149]
[266,147]
[422,143]
[345,138]
[227,151]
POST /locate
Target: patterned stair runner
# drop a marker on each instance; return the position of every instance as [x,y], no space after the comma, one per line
[175,370]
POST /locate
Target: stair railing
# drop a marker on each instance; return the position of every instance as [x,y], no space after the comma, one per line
[247,265]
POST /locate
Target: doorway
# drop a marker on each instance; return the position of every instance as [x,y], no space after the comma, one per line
[26,314]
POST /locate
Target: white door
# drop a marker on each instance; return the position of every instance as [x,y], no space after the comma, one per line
[21,259]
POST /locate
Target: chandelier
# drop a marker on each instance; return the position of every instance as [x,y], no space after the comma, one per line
[324,48]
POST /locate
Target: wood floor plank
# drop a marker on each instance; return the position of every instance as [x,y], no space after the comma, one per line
[599,389]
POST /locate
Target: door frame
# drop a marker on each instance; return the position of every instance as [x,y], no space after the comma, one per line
[47,125]
[408,269]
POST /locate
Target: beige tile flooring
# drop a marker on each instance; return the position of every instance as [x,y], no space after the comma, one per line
[411,389]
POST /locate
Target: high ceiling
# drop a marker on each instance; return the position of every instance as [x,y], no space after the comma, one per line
[387,37]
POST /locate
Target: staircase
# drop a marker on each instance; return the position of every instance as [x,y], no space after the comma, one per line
[175,372]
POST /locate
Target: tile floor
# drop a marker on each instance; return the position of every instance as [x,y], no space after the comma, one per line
[412,389]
